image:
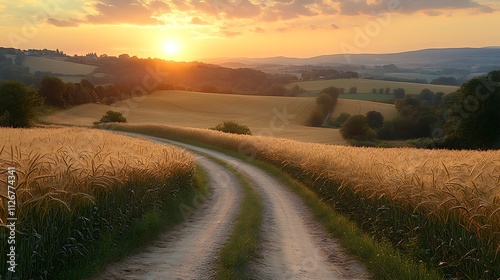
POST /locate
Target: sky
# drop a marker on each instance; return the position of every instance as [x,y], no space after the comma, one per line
[195,29]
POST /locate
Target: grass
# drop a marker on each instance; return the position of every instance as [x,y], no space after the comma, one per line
[366,85]
[435,206]
[241,247]
[87,185]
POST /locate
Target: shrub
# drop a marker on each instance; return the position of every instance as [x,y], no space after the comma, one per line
[338,121]
[233,127]
[112,116]
[356,128]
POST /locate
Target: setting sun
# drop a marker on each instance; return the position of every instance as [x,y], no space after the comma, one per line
[171,48]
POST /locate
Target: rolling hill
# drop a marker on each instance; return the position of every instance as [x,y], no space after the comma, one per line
[282,117]
[449,57]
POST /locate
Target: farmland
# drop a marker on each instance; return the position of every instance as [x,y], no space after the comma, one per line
[282,117]
[441,207]
[366,85]
[44,64]
[80,181]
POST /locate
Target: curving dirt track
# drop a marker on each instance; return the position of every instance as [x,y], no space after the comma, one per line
[293,245]
[189,251]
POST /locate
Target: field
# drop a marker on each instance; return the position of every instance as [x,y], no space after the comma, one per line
[439,206]
[366,85]
[74,186]
[55,66]
[282,117]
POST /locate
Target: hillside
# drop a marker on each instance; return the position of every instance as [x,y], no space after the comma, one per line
[449,57]
[270,116]
[56,66]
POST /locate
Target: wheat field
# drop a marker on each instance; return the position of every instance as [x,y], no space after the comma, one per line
[75,185]
[443,196]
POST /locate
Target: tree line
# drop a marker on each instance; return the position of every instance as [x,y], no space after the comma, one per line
[465,119]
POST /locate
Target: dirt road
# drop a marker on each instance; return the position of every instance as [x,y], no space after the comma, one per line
[189,251]
[293,245]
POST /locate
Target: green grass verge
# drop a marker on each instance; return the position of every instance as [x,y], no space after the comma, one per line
[242,245]
[115,246]
[383,261]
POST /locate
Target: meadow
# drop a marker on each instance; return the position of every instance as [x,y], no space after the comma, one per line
[440,207]
[366,85]
[78,190]
[44,64]
[282,117]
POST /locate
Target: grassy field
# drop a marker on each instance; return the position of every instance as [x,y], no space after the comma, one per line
[76,186]
[44,64]
[440,207]
[366,86]
[282,117]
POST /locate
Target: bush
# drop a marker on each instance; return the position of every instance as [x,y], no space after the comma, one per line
[387,132]
[375,119]
[338,121]
[356,128]
[112,116]
[233,127]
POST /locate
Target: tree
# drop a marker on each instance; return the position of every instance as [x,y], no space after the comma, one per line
[375,119]
[447,81]
[356,128]
[399,93]
[387,90]
[353,90]
[426,95]
[338,121]
[333,92]
[296,90]
[325,103]
[474,114]
[275,90]
[52,89]
[233,127]
[374,90]
[381,90]
[19,104]
[112,116]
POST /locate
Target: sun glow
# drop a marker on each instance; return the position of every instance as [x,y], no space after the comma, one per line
[172,48]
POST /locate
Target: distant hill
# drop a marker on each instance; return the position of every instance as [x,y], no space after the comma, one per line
[449,57]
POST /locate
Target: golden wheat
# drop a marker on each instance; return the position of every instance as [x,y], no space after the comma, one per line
[65,162]
[440,182]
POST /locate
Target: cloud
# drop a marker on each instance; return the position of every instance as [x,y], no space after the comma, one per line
[334,26]
[127,11]
[259,30]
[62,23]
[431,7]
[284,10]
[198,21]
